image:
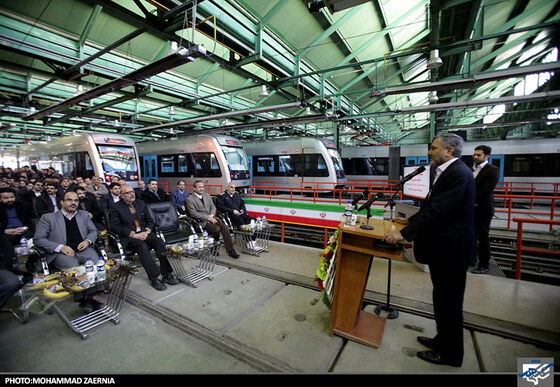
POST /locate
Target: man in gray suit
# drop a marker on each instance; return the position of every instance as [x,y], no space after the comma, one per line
[200,207]
[67,235]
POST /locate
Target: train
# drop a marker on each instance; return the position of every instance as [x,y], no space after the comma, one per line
[86,155]
[214,159]
[295,163]
[534,160]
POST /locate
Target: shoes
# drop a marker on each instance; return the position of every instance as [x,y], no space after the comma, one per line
[86,305]
[479,270]
[233,254]
[427,342]
[435,358]
[170,279]
[158,285]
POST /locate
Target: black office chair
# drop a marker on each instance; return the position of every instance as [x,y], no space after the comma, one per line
[167,223]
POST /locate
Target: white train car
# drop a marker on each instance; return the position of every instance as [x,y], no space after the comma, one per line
[521,161]
[87,154]
[214,159]
[294,163]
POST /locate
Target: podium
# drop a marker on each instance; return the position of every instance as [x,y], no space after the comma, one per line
[356,248]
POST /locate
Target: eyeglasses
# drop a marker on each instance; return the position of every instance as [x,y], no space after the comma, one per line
[126,193]
[72,200]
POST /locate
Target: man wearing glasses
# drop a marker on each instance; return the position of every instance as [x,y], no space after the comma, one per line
[131,220]
[66,235]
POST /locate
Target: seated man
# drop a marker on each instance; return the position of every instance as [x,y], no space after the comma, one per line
[67,235]
[131,220]
[10,282]
[48,201]
[200,207]
[114,195]
[89,203]
[97,187]
[178,197]
[231,203]
[153,194]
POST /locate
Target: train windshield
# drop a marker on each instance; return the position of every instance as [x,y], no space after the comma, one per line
[117,158]
[336,159]
[236,158]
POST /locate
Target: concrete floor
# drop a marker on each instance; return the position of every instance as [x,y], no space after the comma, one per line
[243,322]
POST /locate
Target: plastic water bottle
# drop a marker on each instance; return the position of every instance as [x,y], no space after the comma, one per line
[259,223]
[101,275]
[90,272]
[24,249]
[205,237]
[348,214]
[264,222]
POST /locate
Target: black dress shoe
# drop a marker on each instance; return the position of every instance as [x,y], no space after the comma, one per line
[427,342]
[435,358]
[233,254]
[170,279]
[158,285]
[480,270]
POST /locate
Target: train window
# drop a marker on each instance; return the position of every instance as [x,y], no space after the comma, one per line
[117,158]
[286,165]
[206,165]
[182,164]
[532,165]
[264,165]
[236,158]
[167,164]
[315,165]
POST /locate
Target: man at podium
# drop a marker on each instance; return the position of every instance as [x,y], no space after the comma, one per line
[443,235]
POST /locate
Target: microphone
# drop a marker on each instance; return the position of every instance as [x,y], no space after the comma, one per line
[365,194]
[379,195]
[411,175]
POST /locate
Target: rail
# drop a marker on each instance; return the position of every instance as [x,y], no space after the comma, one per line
[337,196]
[519,244]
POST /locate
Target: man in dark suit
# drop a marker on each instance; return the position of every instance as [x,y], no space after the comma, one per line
[443,235]
[114,195]
[89,203]
[131,220]
[153,194]
[48,201]
[231,203]
[486,177]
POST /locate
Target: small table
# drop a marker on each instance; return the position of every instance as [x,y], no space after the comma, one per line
[254,241]
[118,278]
[205,269]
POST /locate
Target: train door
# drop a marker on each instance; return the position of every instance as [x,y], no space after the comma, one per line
[150,168]
[498,161]
[416,160]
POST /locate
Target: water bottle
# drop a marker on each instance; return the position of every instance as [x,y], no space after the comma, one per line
[348,214]
[24,249]
[101,275]
[90,272]
[264,222]
[259,223]
[205,237]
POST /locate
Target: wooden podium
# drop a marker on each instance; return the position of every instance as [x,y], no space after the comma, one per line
[356,248]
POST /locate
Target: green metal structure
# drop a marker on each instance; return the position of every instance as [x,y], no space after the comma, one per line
[360,72]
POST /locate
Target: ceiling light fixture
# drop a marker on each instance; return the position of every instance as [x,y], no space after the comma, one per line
[435,61]
[171,111]
[264,92]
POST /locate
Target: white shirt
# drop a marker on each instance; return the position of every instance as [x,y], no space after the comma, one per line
[477,168]
[443,167]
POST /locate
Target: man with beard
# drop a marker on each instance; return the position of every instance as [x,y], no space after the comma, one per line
[15,220]
[443,235]
[67,235]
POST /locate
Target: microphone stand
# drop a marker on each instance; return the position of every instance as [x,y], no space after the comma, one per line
[391,200]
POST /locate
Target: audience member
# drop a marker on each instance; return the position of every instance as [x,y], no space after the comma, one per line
[179,196]
[131,220]
[97,187]
[153,194]
[66,235]
[48,201]
[232,204]
[200,207]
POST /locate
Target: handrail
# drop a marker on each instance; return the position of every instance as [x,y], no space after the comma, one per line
[519,243]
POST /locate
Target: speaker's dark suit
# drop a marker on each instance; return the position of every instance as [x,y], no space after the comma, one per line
[485,181]
[443,235]
[122,222]
[44,204]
